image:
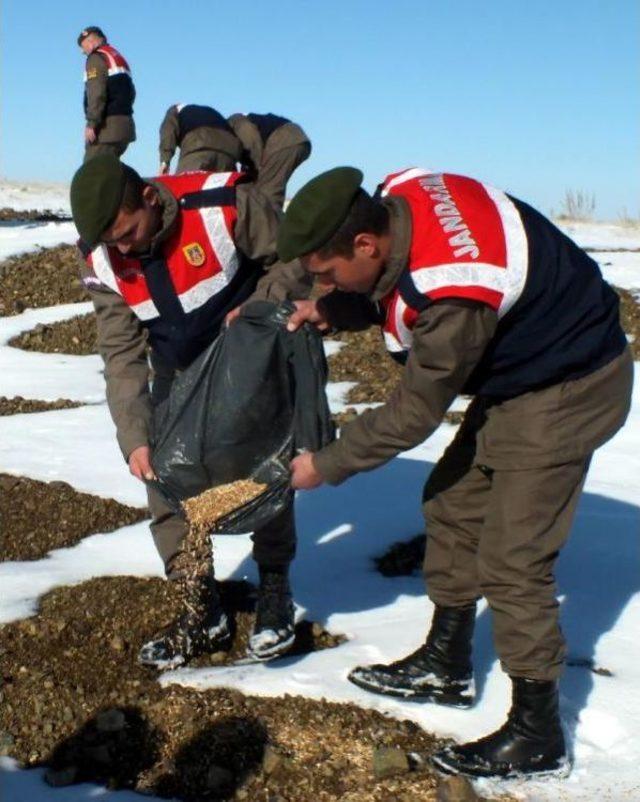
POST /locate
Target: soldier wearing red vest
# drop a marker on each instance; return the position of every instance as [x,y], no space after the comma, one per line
[109,94]
[166,260]
[476,293]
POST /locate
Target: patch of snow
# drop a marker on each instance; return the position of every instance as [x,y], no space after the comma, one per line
[48,376]
[25,195]
[16,239]
[602,235]
[17,785]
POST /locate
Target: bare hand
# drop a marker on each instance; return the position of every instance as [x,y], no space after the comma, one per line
[307,312]
[304,475]
[140,463]
[232,315]
[164,168]
[90,135]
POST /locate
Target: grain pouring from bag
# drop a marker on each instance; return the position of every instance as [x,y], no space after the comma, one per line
[205,509]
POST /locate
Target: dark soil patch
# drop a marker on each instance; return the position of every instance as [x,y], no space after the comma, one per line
[44,278]
[630,318]
[40,516]
[19,405]
[364,359]
[75,698]
[74,336]
[8,215]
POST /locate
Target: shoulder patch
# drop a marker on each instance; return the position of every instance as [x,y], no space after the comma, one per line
[194,254]
[93,73]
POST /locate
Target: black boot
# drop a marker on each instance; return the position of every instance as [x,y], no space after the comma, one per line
[201,628]
[273,632]
[439,671]
[531,741]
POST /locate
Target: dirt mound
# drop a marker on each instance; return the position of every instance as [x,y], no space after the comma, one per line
[44,278]
[19,405]
[75,698]
[74,336]
[40,516]
[364,359]
[8,215]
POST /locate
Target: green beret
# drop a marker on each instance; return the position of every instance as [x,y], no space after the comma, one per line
[96,194]
[317,211]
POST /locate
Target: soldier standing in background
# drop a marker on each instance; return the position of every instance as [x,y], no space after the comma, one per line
[205,138]
[272,148]
[108,96]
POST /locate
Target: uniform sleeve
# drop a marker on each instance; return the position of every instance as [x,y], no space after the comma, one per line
[256,231]
[122,346]
[169,134]
[284,281]
[250,141]
[448,341]
[96,86]
[257,223]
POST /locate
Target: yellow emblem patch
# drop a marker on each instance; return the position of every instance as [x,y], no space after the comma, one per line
[194,254]
[92,74]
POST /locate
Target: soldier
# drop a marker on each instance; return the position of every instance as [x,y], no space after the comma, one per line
[108,96]
[166,259]
[477,293]
[205,138]
[272,148]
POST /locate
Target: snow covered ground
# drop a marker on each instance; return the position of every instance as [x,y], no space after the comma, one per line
[341,529]
[25,195]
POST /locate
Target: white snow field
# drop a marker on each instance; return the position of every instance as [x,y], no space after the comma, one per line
[341,530]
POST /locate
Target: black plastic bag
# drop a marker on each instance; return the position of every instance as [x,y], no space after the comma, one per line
[243,409]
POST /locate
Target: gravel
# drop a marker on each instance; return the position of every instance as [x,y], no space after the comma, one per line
[44,278]
[40,516]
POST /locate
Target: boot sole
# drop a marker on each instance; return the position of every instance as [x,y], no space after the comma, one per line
[270,654]
[448,700]
[559,773]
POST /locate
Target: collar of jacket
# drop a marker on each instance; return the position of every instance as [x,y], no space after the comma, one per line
[169,210]
[400,230]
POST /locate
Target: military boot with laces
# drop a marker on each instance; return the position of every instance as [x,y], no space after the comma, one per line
[439,671]
[273,632]
[201,628]
[529,744]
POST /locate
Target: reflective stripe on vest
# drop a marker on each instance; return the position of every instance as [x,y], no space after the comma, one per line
[201,255]
[468,241]
[116,62]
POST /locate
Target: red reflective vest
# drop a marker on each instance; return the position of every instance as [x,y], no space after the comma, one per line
[200,255]
[120,90]
[468,241]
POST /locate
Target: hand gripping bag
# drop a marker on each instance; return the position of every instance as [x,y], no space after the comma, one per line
[249,403]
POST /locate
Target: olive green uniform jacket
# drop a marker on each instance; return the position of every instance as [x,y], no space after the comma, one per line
[271,162]
[113,129]
[202,148]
